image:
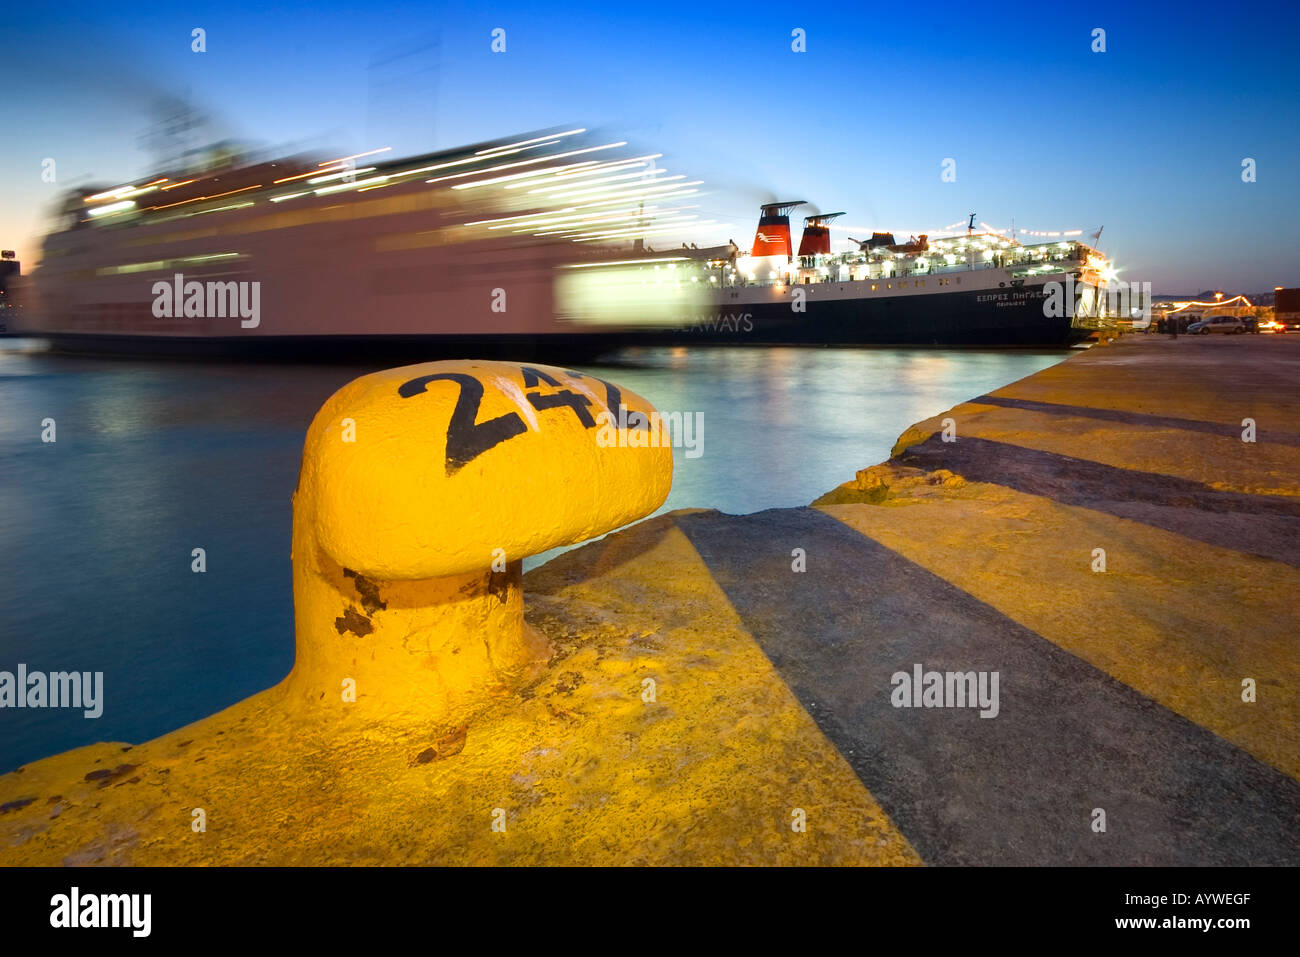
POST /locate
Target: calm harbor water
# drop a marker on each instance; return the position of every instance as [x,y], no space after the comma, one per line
[155,459]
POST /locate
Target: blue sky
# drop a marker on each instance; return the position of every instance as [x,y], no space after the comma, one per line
[1147,138]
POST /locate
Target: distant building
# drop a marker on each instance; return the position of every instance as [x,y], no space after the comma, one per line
[9,269]
[8,266]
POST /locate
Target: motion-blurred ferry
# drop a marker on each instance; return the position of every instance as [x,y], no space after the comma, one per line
[538,245]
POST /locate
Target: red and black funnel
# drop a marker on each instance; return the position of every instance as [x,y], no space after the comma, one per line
[816,240]
[773,236]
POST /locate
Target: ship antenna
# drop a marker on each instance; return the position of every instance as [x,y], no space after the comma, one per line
[404,67]
[175,118]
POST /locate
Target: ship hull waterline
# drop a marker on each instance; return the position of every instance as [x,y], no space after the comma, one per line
[947,320]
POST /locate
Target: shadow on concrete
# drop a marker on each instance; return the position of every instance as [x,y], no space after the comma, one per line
[1018,788]
[1227,430]
[1264,525]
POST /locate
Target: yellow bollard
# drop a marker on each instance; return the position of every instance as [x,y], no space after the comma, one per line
[401,735]
[422,490]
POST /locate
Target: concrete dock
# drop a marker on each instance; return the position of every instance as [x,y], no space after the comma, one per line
[1109,536]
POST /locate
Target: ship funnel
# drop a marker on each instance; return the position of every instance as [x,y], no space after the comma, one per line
[773,235]
[816,240]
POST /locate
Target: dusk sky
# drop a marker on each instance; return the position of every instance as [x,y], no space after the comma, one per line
[1147,138]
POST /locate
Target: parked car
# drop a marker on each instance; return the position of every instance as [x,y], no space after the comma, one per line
[1229,324]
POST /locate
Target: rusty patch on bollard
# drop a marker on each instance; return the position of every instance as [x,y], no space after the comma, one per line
[499,582]
[368,590]
[449,745]
[355,622]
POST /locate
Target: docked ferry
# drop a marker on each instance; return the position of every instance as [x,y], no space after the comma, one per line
[980,287]
[540,245]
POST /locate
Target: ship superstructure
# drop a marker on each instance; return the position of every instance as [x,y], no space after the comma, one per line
[978,287]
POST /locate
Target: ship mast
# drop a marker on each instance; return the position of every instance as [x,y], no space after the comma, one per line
[169,136]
